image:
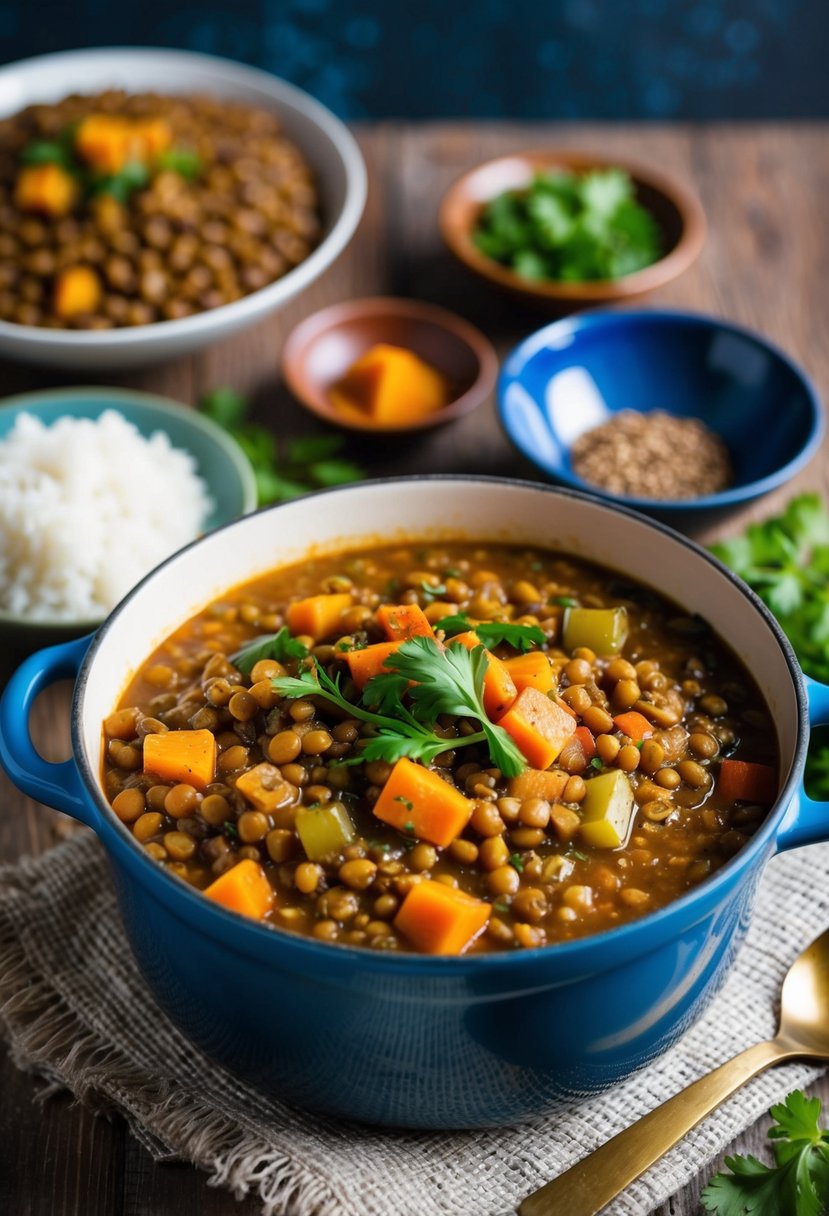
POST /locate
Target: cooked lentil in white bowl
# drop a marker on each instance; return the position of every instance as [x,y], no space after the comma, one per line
[141,315]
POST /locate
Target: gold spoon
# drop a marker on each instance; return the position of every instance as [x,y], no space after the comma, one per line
[593,1182]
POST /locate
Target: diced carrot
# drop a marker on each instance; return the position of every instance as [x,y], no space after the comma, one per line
[263,786]
[77,290]
[538,726]
[369,662]
[403,621]
[587,741]
[531,670]
[243,889]
[634,724]
[47,189]
[318,615]
[438,919]
[538,783]
[419,803]
[562,704]
[499,686]
[182,755]
[744,781]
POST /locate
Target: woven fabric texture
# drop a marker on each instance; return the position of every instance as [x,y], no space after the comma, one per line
[74,1009]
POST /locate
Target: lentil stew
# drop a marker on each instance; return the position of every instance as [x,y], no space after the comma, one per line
[442,749]
[124,209]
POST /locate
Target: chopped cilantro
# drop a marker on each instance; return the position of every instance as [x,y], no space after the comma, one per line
[596,763]
[408,826]
[407,804]
[231,830]
[796,1185]
[517,863]
[279,646]
[564,601]
[493,633]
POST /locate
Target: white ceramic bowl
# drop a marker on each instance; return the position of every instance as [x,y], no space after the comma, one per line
[324,140]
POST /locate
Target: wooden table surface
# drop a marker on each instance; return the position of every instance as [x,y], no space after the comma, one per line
[765,265]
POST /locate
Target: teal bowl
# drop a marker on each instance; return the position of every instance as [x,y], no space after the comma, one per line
[219,462]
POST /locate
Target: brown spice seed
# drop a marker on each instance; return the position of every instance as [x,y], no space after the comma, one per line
[653,455]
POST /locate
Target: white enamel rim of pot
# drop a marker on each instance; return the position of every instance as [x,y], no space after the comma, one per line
[435,508]
[325,141]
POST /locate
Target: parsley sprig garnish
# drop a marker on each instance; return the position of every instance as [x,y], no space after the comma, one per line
[493,633]
[279,646]
[798,1183]
[423,683]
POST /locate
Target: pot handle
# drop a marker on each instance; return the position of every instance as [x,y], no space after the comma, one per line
[810,822]
[57,785]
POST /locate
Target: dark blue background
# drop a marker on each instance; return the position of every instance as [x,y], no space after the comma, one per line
[491,58]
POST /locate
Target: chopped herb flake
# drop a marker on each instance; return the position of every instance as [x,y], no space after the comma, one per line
[517,862]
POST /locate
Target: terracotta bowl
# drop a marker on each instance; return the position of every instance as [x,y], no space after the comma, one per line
[324,346]
[675,209]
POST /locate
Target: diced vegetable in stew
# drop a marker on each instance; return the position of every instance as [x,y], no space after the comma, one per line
[443,749]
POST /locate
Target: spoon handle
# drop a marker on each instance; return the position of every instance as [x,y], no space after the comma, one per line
[587,1186]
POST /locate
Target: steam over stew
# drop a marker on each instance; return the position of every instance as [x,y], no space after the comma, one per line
[442,749]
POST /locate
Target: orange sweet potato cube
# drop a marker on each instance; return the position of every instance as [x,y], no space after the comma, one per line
[369,662]
[403,621]
[182,755]
[419,803]
[390,385]
[531,670]
[46,189]
[318,615]
[441,920]
[244,889]
[538,726]
[77,290]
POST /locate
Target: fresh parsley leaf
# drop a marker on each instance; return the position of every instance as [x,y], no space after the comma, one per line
[434,682]
[570,227]
[596,763]
[48,152]
[122,185]
[517,862]
[280,646]
[564,601]
[334,472]
[306,449]
[184,161]
[493,633]
[798,1183]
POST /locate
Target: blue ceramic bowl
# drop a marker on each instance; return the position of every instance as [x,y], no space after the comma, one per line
[403,1039]
[575,374]
[220,463]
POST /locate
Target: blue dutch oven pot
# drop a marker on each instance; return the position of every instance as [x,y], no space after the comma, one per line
[410,1040]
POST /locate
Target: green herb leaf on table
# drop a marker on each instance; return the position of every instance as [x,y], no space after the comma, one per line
[279,646]
[798,1183]
[785,560]
[282,470]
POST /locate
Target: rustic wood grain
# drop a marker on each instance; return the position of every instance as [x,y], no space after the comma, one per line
[765,265]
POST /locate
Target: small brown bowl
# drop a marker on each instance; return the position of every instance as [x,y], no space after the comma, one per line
[675,209]
[323,346]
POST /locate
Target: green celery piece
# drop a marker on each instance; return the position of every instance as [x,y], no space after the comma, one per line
[603,630]
[324,830]
[607,810]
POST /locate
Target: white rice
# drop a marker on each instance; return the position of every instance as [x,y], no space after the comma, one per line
[87,507]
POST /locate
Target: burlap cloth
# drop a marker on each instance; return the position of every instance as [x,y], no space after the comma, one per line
[75,1010]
